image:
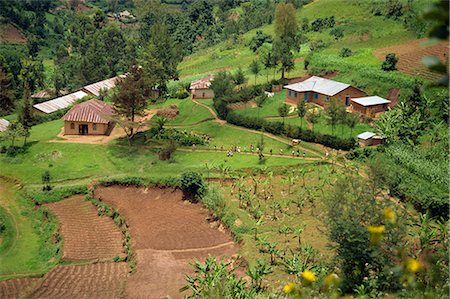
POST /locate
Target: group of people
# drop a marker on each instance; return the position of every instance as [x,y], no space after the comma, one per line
[253,149]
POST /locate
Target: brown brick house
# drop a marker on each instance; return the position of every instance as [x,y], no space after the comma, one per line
[200,89]
[370,106]
[320,91]
[92,117]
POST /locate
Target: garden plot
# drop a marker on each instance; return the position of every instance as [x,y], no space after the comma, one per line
[86,235]
[14,288]
[167,234]
[101,280]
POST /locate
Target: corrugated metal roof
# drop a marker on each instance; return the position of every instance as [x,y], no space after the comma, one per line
[203,83]
[370,101]
[366,135]
[318,84]
[93,111]
[60,103]
[3,124]
[46,93]
[107,84]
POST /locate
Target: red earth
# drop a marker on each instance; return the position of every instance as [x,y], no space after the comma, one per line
[167,233]
[86,235]
[10,34]
[411,54]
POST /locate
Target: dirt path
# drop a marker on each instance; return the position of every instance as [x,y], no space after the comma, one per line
[216,118]
[167,233]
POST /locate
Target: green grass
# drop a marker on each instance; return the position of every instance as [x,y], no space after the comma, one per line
[269,108]
[20,250]
[189,112]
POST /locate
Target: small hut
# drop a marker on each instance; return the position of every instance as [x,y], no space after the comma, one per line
[369,139]
[200,89]
[92,117]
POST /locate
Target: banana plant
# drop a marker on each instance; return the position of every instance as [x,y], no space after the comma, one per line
[257,273]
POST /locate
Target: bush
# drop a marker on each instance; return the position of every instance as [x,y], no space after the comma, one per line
[57,194]
[278,128]
[166,152]
[123,181]
[345,52]
[214,201]
[192,185]
[390,63]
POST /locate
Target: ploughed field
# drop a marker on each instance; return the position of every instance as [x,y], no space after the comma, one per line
[86,236]
[410,56]
[167,234]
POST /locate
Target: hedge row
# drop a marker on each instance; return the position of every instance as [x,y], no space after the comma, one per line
[278,128]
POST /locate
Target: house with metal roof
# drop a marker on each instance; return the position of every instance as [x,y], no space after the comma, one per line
[92,117]
[59,103]
[369,138]
[320,91]
[370,106]
[4,124]
[95,88]
[200,89]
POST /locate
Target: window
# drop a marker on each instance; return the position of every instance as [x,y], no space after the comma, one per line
[347,100]
[72,126]
[290,93]
[328,99]
[295,94]
[316,95]
[94,126]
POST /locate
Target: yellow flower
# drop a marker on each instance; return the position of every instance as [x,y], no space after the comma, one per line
[389,215]
[289,287]
[376,229]
[375,233]
[309,276]
[331,280]
[413,265]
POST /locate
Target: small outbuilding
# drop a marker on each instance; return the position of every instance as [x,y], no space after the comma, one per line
[200,89]
[370,106]
[369,139]
[92,117]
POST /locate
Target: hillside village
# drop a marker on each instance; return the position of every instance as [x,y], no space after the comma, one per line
[224,149]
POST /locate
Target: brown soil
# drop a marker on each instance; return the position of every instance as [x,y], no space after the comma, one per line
[410,56]
[10,34]
[14,288]
[87,236]
[167,234]
[101,280]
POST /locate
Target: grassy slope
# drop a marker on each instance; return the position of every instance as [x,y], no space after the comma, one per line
[19,250]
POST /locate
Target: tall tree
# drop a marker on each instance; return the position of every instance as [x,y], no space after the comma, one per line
[130,100]
[25,113]
[286,29]
[301,110]
[254,68]
[283,110]
[6,89]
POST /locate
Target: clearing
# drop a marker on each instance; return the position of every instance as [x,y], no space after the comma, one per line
[411,54]
[87,236]
[167,234]
[10,34]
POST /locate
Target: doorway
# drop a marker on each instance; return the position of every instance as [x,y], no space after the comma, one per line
[83,129]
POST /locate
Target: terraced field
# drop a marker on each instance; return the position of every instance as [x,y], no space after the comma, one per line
[86,235]
[411,54]
[168,233]
[101,280]
[14,288]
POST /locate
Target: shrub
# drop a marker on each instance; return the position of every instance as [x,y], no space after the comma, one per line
[2,225]
[124,181]
[57,194]
[345,52]
[214,201]
[192,185]
[166,152]
[390,63]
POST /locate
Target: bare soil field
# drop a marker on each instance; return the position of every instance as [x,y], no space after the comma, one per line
[10,34]
[87,236]
[101,280]
[168,233]
[410,56]
[14,288]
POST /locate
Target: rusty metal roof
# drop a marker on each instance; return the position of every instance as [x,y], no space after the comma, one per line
[203,83]
[60,103]
[107,84]
[3,124]
[92,111]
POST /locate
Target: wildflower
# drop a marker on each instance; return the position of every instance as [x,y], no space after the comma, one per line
[289,288]
[309,277]
[331,280]
[413,265]
[389,215]
[376,233]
